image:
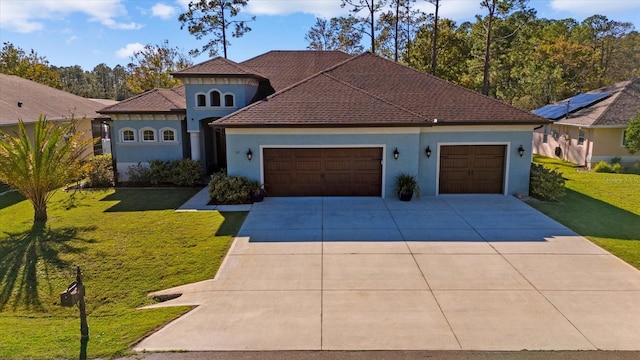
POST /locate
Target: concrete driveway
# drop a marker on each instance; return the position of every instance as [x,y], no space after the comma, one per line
[440,273]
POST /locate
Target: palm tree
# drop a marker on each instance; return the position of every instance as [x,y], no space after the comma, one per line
[38,167]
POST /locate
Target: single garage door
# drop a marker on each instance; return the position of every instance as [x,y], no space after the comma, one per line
[472,169]
[323,172]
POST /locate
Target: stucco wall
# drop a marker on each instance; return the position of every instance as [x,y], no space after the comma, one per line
[128,154]
[599,144]
[410,142]
[243,94]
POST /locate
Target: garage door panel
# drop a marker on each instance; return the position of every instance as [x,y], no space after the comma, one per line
[472,169]
[323,172]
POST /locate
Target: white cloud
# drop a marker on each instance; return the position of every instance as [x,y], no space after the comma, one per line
[595,6]
[129,50]
[71,39]
[320,8]
[30,16]
[163,11]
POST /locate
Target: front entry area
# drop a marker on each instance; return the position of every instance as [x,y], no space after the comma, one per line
[323,171]
[472,169]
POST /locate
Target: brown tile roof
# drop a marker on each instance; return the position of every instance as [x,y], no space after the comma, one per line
[152,101]
[370,91]
[39,99]
[218,67]
[285,68]
[615,111]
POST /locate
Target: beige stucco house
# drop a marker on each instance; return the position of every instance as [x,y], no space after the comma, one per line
[590,127]
[26,100]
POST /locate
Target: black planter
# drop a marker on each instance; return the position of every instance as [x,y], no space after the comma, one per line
[406,195]
[257,196]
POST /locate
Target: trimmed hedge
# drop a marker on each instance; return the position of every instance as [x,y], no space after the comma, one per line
[546,184]
[182,172]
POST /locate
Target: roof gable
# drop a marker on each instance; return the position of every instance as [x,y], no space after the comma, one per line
[617,104]
[369,90]
[36,99]
[152,101]
[218,67]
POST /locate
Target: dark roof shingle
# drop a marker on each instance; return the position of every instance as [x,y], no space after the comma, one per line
[152,101]
[369,90]
[285,68]
[218,67]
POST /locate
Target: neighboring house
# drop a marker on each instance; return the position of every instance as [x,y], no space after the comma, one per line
[590,127]
[324,123]
[26,100]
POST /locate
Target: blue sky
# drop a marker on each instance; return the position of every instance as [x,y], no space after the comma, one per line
[90,32]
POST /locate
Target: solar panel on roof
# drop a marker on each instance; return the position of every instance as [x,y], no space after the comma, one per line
[580,101]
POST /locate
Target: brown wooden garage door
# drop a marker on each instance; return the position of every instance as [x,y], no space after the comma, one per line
[472,169]
[323,172]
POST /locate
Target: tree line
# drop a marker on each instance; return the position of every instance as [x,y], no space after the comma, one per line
[507,52]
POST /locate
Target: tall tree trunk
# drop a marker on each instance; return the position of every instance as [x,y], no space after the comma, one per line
[373,36]
[487,50]
[395,56]
[434,49]
[224,28]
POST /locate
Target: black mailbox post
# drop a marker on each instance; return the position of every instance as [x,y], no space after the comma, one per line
[75,295]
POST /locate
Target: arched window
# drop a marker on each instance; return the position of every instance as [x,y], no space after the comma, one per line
[148,135]
[127,135]
[168,135]
[215,98]
[201,100]
[228,100]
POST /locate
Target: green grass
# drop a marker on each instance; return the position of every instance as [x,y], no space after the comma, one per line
[605,208]
[128,243]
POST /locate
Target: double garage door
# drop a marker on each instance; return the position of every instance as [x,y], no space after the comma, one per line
[464,169]
[472,169]
[323,172]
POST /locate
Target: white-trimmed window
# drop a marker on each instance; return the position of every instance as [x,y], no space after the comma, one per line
[229,100]
[214,96]
[168,135]
[148,134]
[128,135]
[623,141]
[581,137]
[545,135]
[201,100]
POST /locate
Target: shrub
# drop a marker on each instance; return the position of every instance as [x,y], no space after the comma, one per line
[616,160]
[603,167]
[617,168]
[99,171]
[224,189]
[182,172]
[139,174]
[546,184]
[159,172]
[185,172]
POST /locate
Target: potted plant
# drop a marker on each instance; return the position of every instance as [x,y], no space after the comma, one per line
[406,185]
[256,190]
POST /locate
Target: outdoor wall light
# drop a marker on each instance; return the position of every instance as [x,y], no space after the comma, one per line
[250,155]
[428,151]
[520,151]
[396,154]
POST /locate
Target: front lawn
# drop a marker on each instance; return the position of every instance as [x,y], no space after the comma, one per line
[605,208]
[128,243]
